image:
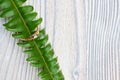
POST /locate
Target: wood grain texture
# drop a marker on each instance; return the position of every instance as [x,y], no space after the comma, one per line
[85,35]
[103,39]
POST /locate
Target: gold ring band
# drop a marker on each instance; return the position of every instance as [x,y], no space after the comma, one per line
[32,37]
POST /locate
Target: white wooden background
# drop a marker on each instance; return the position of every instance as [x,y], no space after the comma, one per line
[84,33]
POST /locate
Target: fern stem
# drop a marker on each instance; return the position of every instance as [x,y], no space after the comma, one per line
[43,59]
[20,15]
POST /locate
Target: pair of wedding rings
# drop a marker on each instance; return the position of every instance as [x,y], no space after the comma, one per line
[32,37]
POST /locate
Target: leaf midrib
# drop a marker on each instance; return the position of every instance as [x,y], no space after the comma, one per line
[29,35]
[20,16]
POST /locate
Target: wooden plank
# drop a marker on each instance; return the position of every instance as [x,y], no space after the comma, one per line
[85,35]
[103,37]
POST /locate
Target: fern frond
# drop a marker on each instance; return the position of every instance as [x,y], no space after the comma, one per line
[23,24]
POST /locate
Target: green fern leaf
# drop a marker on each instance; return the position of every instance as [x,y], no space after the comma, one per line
[23,24]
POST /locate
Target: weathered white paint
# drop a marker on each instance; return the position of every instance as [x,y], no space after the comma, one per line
[85,35]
